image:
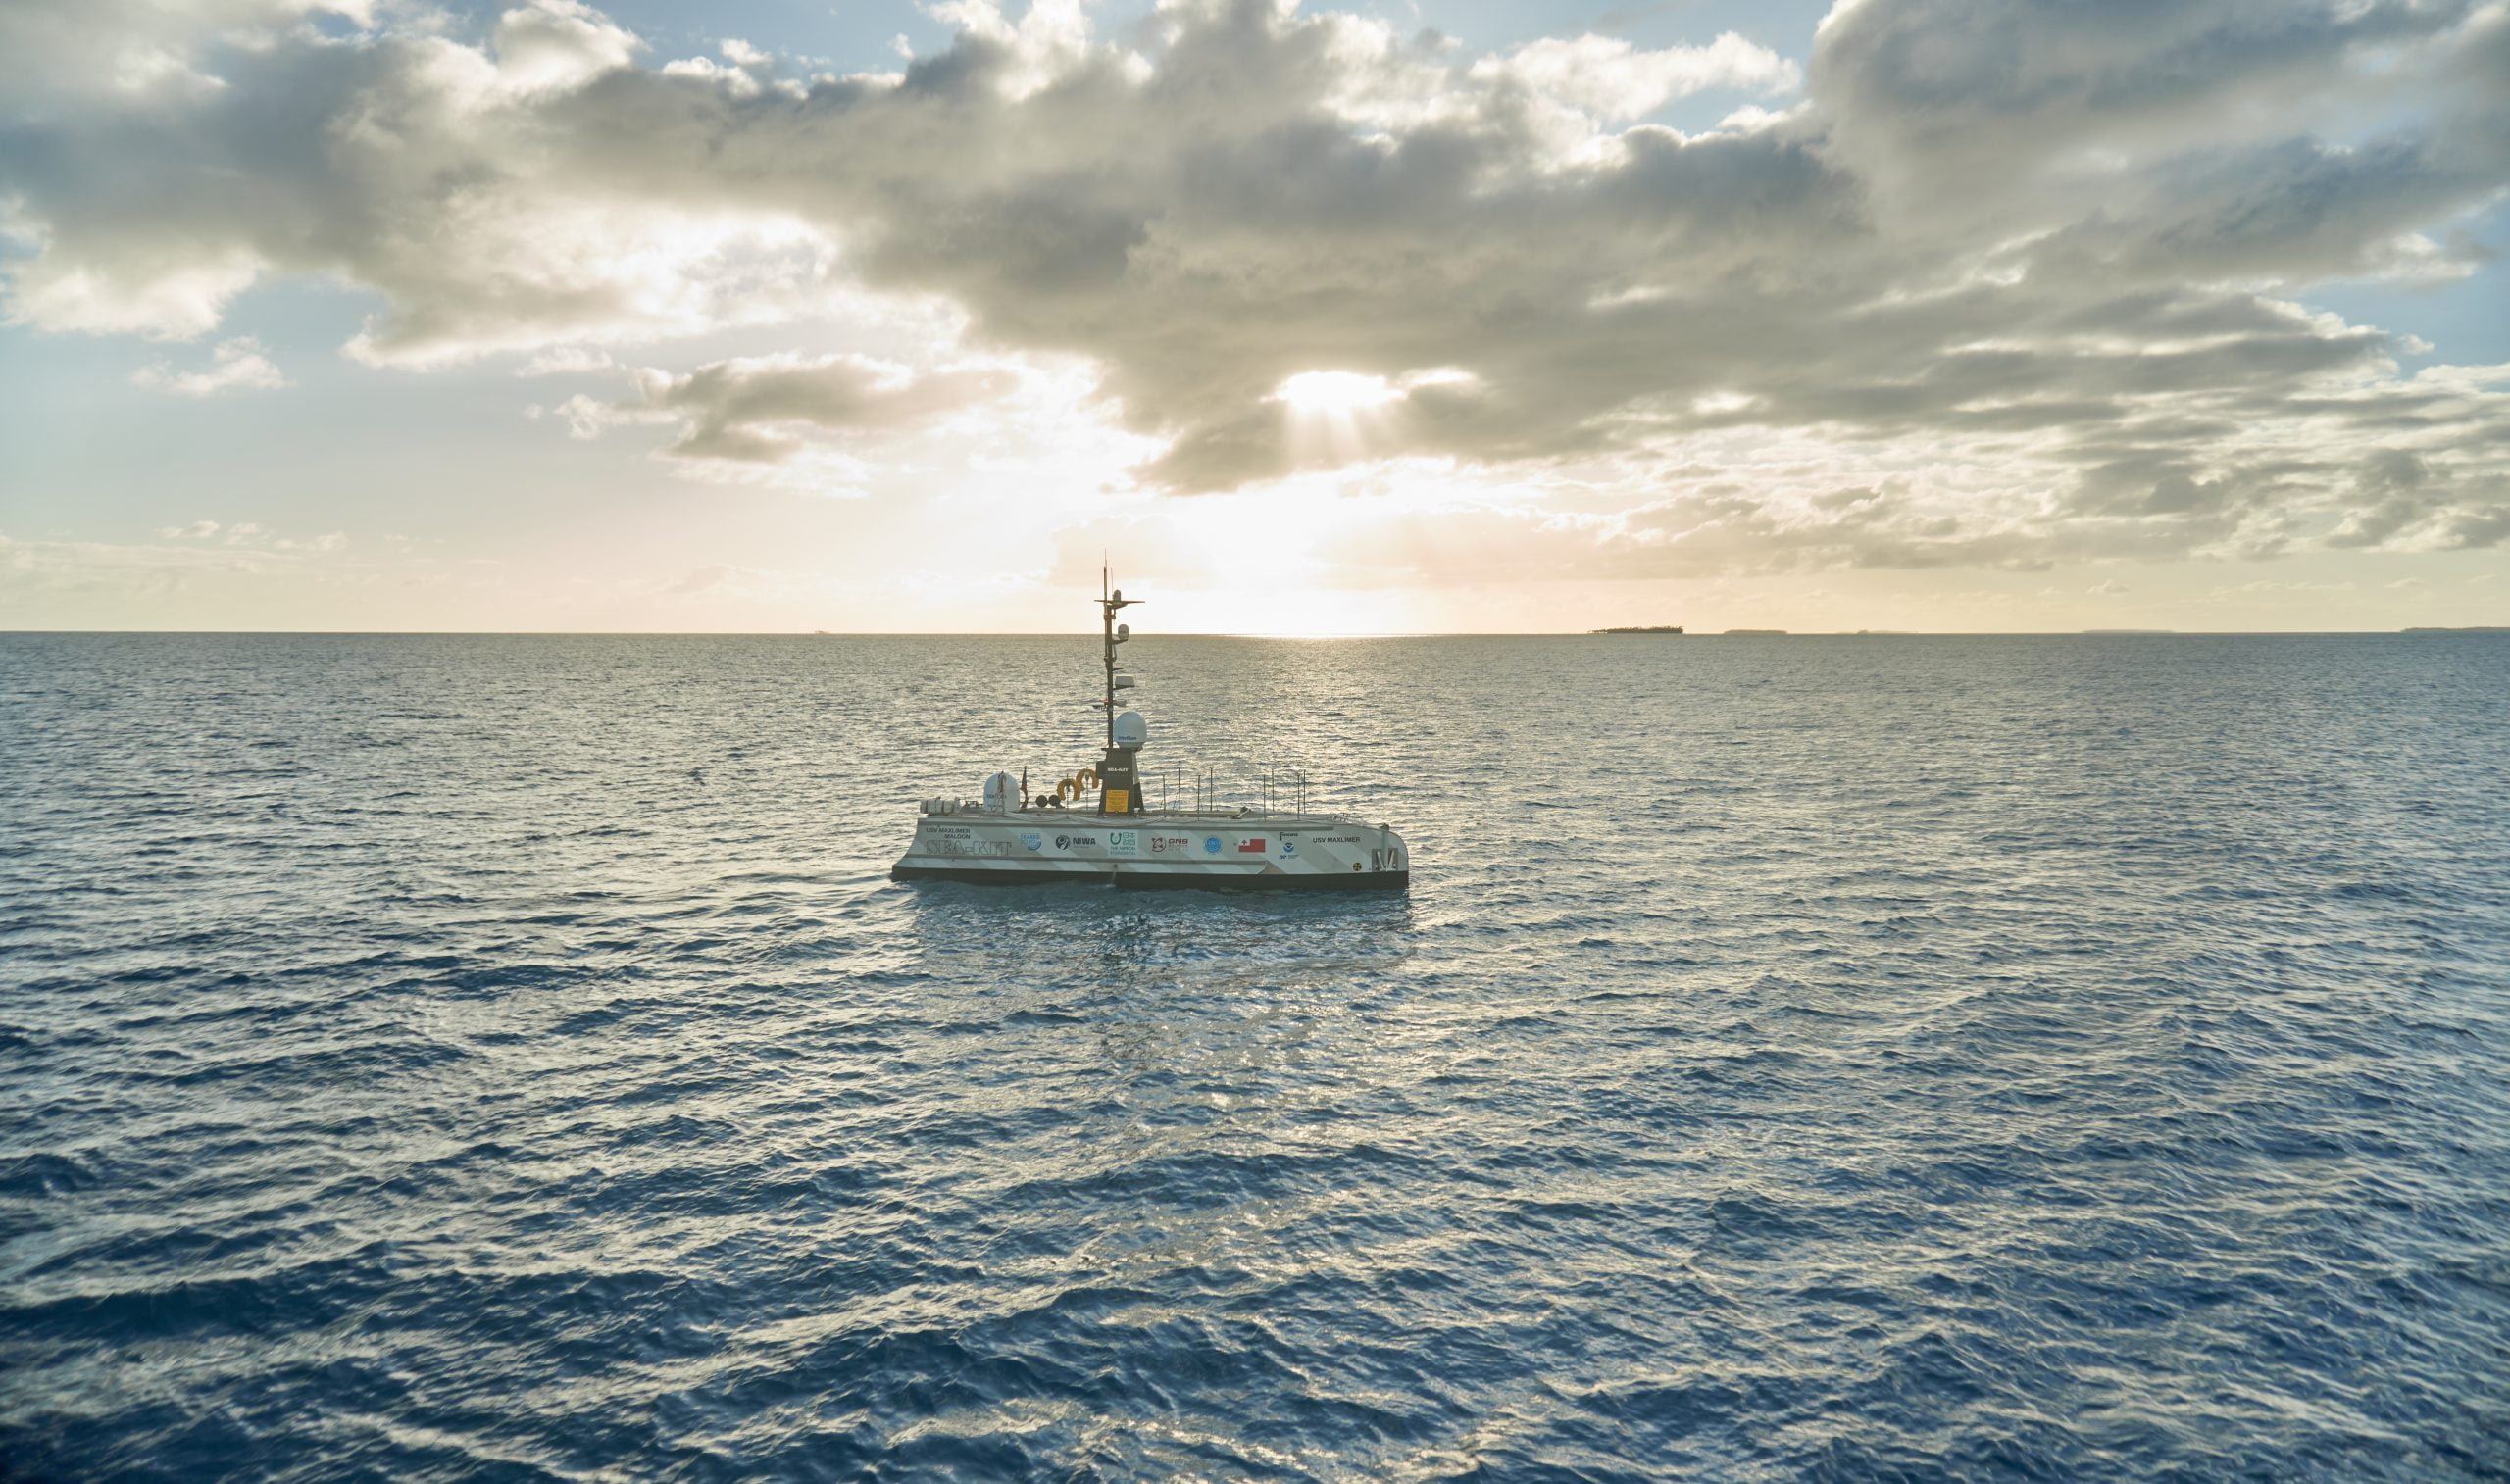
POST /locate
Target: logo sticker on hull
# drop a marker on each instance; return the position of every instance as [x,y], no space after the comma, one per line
[1032,839]
[1123,842]
[1289,847]
[971,847]
[1253,847]
[1211,845]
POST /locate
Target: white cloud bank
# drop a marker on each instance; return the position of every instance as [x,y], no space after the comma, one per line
[2007,284]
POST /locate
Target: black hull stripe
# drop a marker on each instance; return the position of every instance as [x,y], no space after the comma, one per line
[1363,880]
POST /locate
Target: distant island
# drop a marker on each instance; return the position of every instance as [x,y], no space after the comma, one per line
[1657,629]
[2480,629]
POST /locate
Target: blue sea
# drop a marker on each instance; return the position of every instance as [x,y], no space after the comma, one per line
[1858,1058]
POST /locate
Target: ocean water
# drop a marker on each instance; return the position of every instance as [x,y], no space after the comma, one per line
[474,1058]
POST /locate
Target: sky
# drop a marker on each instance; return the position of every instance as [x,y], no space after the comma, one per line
[1485,315]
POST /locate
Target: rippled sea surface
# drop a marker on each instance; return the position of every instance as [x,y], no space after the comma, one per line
[507,1058]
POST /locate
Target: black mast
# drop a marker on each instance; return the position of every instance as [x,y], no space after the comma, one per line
[1108,603]
[1117,775]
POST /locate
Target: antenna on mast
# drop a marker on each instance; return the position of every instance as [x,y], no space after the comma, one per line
[1119,780]
[1109,601]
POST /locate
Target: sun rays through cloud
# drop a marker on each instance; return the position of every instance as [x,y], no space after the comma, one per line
[1333,414]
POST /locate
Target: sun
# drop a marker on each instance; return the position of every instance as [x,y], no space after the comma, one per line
[1336,391]
[1338,417]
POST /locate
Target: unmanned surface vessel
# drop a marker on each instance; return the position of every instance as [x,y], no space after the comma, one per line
[1095,826]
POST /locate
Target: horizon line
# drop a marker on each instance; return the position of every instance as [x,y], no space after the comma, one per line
[1050,633]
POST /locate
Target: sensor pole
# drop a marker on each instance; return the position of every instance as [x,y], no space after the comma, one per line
[1118,781]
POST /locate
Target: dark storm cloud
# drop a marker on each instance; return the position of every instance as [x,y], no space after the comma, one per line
[2022,229]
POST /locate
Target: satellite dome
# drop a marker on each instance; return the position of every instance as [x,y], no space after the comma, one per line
[1131,731]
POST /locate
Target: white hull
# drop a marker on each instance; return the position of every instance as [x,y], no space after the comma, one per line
[1259,852]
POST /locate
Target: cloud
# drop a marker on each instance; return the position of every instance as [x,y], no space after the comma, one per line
[57,50]
[2403,503]
[766,409]
[1606,77]
[567,361]
[551,45]
[178,578]
[252,534]
[752,409]
[2021,270]
[402,162]
[238,365]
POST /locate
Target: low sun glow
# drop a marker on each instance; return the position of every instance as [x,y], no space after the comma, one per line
[1339,417]
[1334,391]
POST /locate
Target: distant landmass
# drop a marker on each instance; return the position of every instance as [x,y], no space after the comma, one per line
[1755,634]
[1656,628]
[2479,628]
